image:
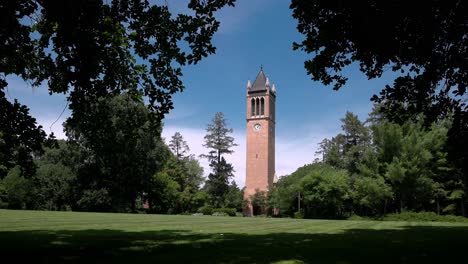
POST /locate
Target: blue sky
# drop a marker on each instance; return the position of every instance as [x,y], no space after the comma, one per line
[253,33]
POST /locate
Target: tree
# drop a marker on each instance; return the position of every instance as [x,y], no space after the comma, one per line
[371,195]
[326,192]
[357,140]
[122,150]
[178,146]
[217,185]
[135,47]
[346,150]
[186,171]
[53,186]
[21,138]
[19,190]
[426,43]
[332,151]
[194,173]
[286,192]
[93,51]
[164,193]
[259,202]
[219,142]
[234,197]
[191,198]
[426,40]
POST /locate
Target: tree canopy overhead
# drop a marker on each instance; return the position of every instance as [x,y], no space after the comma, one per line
[427,39]
[95,48]
[426,42]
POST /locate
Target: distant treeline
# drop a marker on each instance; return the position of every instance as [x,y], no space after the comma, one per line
[374,168]
[117,162]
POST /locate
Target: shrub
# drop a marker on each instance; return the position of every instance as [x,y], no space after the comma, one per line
[227,211]
[299,215]
[95,201]
[206,210]
[219,214]
[356,217]
[424,217]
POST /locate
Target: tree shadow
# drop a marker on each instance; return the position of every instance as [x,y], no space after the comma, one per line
[410,244]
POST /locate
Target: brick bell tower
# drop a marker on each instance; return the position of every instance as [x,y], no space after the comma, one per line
[260,159]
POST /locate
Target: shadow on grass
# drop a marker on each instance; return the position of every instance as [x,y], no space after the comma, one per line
[411,244]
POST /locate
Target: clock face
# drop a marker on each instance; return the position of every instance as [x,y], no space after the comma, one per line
[257,127]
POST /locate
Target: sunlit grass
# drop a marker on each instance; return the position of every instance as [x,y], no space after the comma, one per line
[104,237]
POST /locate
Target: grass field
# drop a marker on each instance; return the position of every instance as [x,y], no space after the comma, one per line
[37,236]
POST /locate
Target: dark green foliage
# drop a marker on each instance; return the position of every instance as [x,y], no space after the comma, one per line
[234,197]
[219,142]
[122,150]
[371,195]
[259,202]
[3,196]
[345,151]
[424,42]
[177,186]
[164,193]
[20,137]
[375,170]
[298,215]
[287,191]
[424,217]
[178,146]
[206,210]
[18,190]
[217,184]
[95,201]
[53,186]
[227,211]
[129,46]
[326,192]
[427,39]
[107,57]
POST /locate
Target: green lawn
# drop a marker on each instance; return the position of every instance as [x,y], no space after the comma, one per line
[99,237]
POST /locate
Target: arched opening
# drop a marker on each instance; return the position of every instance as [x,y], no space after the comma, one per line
[252,107]
[257,106]
[262,106]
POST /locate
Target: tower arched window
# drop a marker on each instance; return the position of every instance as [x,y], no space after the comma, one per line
[252,107]
[262,106]
[257,106]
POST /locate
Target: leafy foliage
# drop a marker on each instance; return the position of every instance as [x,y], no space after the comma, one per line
[135,47]
[374,170]
[425,43]
[122,148]
[219,142]
[20,137]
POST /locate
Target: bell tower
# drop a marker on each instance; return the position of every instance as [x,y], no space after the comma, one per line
[260,158]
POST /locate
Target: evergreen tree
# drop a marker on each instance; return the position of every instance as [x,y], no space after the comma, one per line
[178,146]
[219,143]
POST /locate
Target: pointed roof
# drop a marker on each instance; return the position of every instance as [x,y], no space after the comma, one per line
[259,83]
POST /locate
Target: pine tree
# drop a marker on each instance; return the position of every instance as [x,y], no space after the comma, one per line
[219,142]
[178,146]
